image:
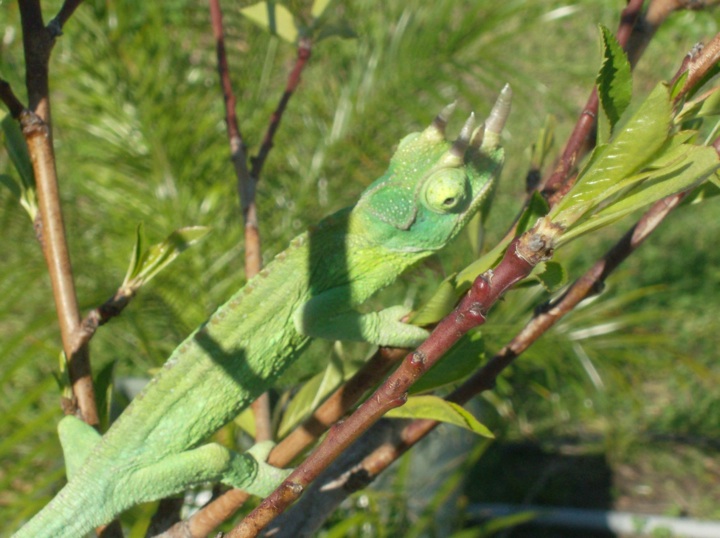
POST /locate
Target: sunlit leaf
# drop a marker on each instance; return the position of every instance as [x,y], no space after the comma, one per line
[643,135]
[273,17]
[614,80]
[435,408]
[145,264]
[697,164]
[318,7]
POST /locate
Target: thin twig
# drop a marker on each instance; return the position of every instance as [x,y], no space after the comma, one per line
[303,55]
[38,43]
[11,101]
[66,10]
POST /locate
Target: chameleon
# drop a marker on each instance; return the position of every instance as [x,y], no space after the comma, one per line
[431,189]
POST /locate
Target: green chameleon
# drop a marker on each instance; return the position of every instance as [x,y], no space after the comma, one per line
[430,191]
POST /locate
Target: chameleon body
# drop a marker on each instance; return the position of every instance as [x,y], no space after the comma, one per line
[430,190]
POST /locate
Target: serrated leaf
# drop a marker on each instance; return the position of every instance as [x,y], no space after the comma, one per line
[639,140]
[274,18]
[435,408]
[146,264]
[536,208]
[553,277]
[464,358]
[614,80]
[697,164]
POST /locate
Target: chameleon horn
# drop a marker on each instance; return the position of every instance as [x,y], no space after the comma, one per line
[441,120]
[497,118]
[463,140]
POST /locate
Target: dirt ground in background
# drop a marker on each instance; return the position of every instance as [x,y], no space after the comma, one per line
[667,478]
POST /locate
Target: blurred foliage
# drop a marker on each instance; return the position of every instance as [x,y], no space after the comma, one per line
[140,138]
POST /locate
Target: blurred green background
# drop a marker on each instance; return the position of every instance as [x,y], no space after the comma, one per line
[630,379]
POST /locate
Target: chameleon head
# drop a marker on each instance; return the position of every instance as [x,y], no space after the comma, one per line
[432,186]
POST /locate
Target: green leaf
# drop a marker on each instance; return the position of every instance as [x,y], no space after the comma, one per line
[318,7]
[24,188]
[683,173]
[17,150]
[273,17]
[103,392]
[552,277]
[435,408]
[544,143]
[146,264]
[614,80]
[439,305]
[639,140]
[536,208]
[464,358]
[314,392]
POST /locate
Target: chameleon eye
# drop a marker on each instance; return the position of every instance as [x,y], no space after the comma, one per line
[446,191]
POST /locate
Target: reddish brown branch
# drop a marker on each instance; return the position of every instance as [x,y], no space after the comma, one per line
[246,192]
[303,55]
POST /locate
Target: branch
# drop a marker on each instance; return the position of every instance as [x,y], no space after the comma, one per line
[303,55]
[38,42]
[68,8]
[11,101]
